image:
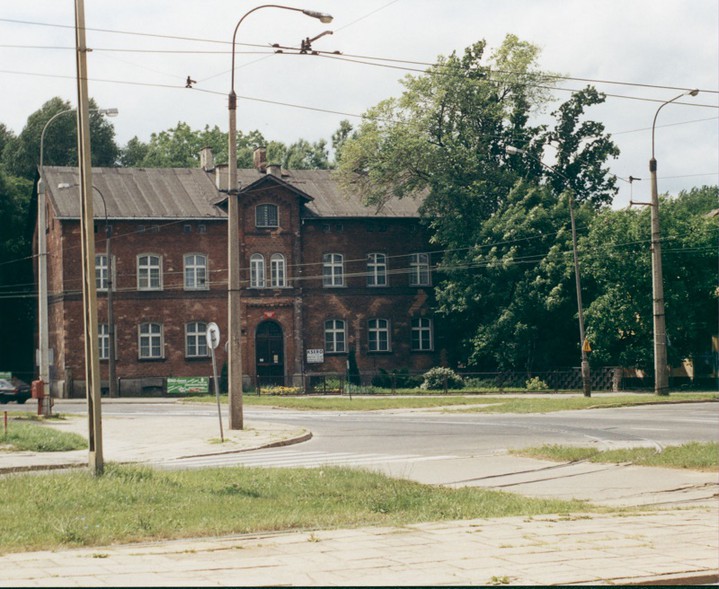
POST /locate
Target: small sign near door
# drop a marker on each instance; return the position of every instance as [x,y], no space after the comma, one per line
[315,356]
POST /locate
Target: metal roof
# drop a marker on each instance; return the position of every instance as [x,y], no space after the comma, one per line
[190,193]
[137,193]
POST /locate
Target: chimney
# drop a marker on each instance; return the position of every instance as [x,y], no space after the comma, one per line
[274,170]
[207,159]
[222,177]
[259,159]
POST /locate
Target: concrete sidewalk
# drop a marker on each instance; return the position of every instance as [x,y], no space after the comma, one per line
[662,546]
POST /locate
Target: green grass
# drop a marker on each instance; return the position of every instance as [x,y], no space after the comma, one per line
[132,503]
[465,403]
[30,435]
[693,455]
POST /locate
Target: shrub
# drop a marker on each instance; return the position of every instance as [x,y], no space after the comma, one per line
[281,391]
[439,377]
[536,384]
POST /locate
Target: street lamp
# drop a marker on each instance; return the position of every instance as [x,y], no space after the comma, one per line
[661,377]
[43,319]
[111,366]
[234,364]
[583,343]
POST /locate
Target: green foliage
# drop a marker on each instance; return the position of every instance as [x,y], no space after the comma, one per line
[396,379]
[536,384]
[133,504]
[617,260]
[21,154]
[33,437]
[440,377]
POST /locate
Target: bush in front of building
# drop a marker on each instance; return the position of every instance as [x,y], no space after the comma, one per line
[536,384]
[440,378]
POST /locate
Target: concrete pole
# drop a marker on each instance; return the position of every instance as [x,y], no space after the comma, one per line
[661,363]
[586,378]
[89,293]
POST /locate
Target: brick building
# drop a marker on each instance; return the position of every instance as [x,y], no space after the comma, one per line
[323,276]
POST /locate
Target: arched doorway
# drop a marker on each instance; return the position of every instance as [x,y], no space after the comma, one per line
[269,354]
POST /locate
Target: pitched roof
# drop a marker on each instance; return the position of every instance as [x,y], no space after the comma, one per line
[137,193]
[190,193]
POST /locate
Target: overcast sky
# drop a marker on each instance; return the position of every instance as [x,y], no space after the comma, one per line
[669,43]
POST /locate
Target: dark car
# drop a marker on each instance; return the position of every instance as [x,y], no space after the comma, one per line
[14,391]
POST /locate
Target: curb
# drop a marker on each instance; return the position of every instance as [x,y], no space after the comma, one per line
[288,442]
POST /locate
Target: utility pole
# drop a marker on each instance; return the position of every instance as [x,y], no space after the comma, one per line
[89,293]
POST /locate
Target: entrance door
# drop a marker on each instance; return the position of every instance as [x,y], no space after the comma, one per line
[269,354]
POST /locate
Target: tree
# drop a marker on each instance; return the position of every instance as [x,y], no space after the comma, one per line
[616,257]
[21,155]
[16,301]
[445,138]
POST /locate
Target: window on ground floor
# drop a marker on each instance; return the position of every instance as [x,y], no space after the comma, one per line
[378,335]
[422,340]
[335,336]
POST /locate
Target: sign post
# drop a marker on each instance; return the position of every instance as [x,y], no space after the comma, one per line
[213,340]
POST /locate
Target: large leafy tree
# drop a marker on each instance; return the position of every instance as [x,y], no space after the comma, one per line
[16,277]
[21,154]
[500,221]
[616,255]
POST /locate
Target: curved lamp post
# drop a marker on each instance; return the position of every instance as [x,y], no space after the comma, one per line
[43,319]
[586,379]
[234,364]
[111,365]
[661,376]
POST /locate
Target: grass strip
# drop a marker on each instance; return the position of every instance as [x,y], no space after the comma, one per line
[30,435]
[466,403]
[134,503]
[702,456]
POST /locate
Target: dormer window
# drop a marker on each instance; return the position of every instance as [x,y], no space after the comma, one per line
[266,215]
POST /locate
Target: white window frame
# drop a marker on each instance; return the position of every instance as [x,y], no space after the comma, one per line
[376,327]
[257,271]
[195,272]
[278,271]
[422,337]
[419,270]
[377,270]
[101,274]
[196,340]
[262,216]
[103,343]
[335,336]
[150,341]
[146,265]
[333,270]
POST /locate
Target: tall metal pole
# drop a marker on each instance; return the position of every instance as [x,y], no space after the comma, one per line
[234,362]
[661,363]
[89,293]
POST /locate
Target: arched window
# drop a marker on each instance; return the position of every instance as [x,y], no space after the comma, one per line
[376,270]
[277,271]
[378,335]
[257,271]
[149,272]
[335,336]
[333,270]
[195,272]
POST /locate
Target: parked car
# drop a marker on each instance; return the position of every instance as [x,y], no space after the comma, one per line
[16,390]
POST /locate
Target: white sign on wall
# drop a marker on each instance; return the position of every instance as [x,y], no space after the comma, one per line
[315,356]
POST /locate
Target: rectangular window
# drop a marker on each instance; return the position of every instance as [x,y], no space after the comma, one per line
[376,270]
[333,270]
[419,274]
[378,335]
[149,272]
[335,336]
[196,340]
[266,215]
[103,333]
[257,271]
[422,340]
[150,341]
[101,274]
[277,271]
[195,272]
